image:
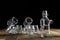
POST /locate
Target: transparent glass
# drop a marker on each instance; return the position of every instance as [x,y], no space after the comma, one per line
[27,25]
[45,24]
[12,21]
[12,27]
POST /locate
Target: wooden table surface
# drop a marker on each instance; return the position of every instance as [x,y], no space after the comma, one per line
[55,35]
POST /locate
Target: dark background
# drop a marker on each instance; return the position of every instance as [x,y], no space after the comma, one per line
[33,9]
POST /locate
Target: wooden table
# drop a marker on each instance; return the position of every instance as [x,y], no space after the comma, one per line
[55,35]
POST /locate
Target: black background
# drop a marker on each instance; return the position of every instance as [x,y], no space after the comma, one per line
[33,9]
